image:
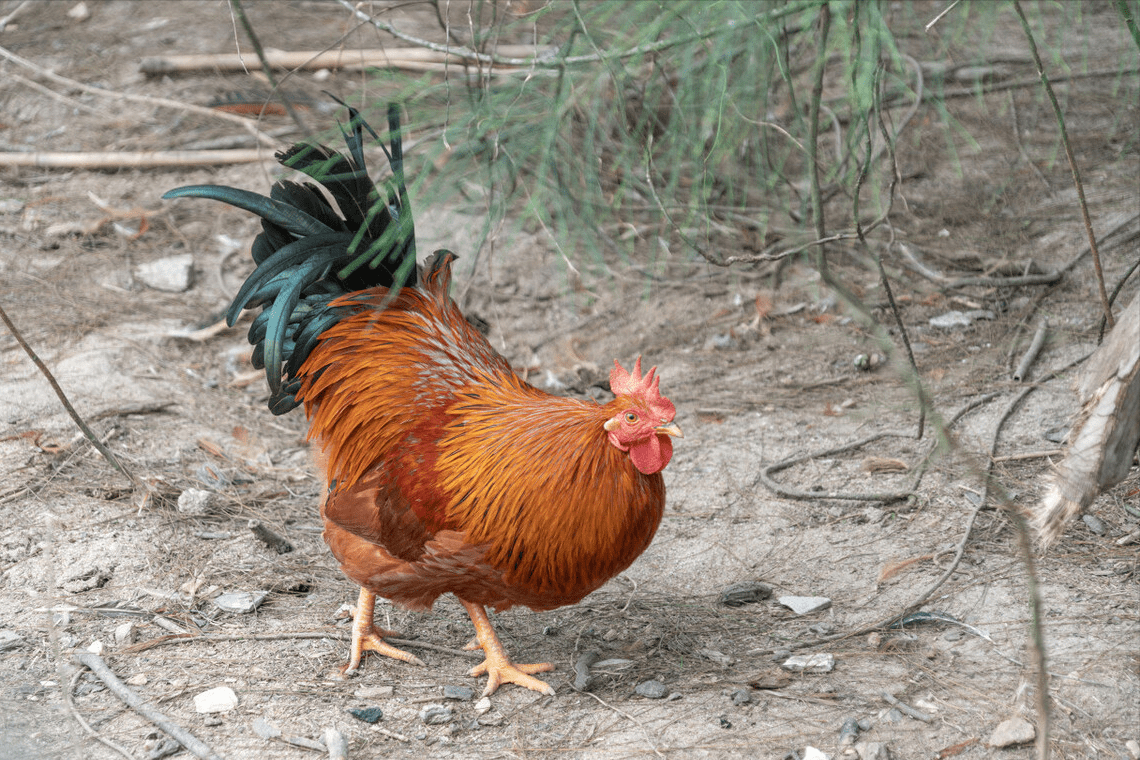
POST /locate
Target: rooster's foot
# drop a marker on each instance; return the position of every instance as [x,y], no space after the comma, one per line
[366,637]
[498,666]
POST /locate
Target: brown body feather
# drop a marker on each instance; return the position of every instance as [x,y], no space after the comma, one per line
[448,473]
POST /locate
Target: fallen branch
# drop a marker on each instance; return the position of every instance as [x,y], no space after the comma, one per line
[193,745]
[390,58]
[138,160]
[185,638]
[1035,345]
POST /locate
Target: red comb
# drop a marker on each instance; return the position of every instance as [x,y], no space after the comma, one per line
[632,384]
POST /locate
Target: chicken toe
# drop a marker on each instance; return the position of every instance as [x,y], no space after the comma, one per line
[366,637]
[498,666]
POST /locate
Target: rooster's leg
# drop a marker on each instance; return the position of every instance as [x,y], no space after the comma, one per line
[366,637]
[498,666]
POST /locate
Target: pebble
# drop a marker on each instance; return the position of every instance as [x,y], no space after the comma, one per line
[811,753]
[952,319]
[195,501]
[211,720]
[749,592]
[1012,731]
[367,714]
[434,714]
[742,696]
[265,729]
[172,274]
[125,633]
[10,640]
[336,743]
[805,605]
[461,693]
[652,690]
[373,692]
[1095,524]
[1133,748]
[137,679]
[848,732]
[219,699]
[95,647]
[242,602]
[873,751]
[810,663]
[483,705]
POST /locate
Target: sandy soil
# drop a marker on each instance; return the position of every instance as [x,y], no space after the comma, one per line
[78,559]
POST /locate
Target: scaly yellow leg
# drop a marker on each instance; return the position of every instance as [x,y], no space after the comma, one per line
[498,666]
[366,637]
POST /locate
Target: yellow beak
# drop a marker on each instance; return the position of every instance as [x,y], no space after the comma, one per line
[670,429]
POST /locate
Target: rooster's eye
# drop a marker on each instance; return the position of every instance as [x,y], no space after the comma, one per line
[630,417]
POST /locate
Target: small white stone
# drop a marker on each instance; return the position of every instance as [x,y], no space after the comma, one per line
[242,602]
[172,274]
[137,680]
[1011,732]
[811,753]
[483,705]
[872,751]
[219,699]
[812,663]
[1133,748]
[805,605]
[95,647]
[195,501]
[79,12]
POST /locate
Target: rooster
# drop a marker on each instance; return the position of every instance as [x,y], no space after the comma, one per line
[444,471]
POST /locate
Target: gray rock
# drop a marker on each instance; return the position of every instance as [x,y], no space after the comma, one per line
[652,690]
[1012,732]
[242,602]
[367,714]
[805,605]
[265,729]
[1095,524]
[125,633]
[10,640]
[434,714]
[172,274]
[810,663]
[461,693]
[742,696]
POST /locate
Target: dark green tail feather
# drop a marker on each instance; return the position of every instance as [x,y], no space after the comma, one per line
[309,253]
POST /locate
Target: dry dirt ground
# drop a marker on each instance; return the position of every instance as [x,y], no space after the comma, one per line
[78,559]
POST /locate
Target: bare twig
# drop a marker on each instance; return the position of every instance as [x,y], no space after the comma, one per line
[631,719]
[69,695]
[1035,345]
[906,709]
[1072,162]
[87,432]
[239,11]
[562,62]
[245,123]
[194,745]
[188,638]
